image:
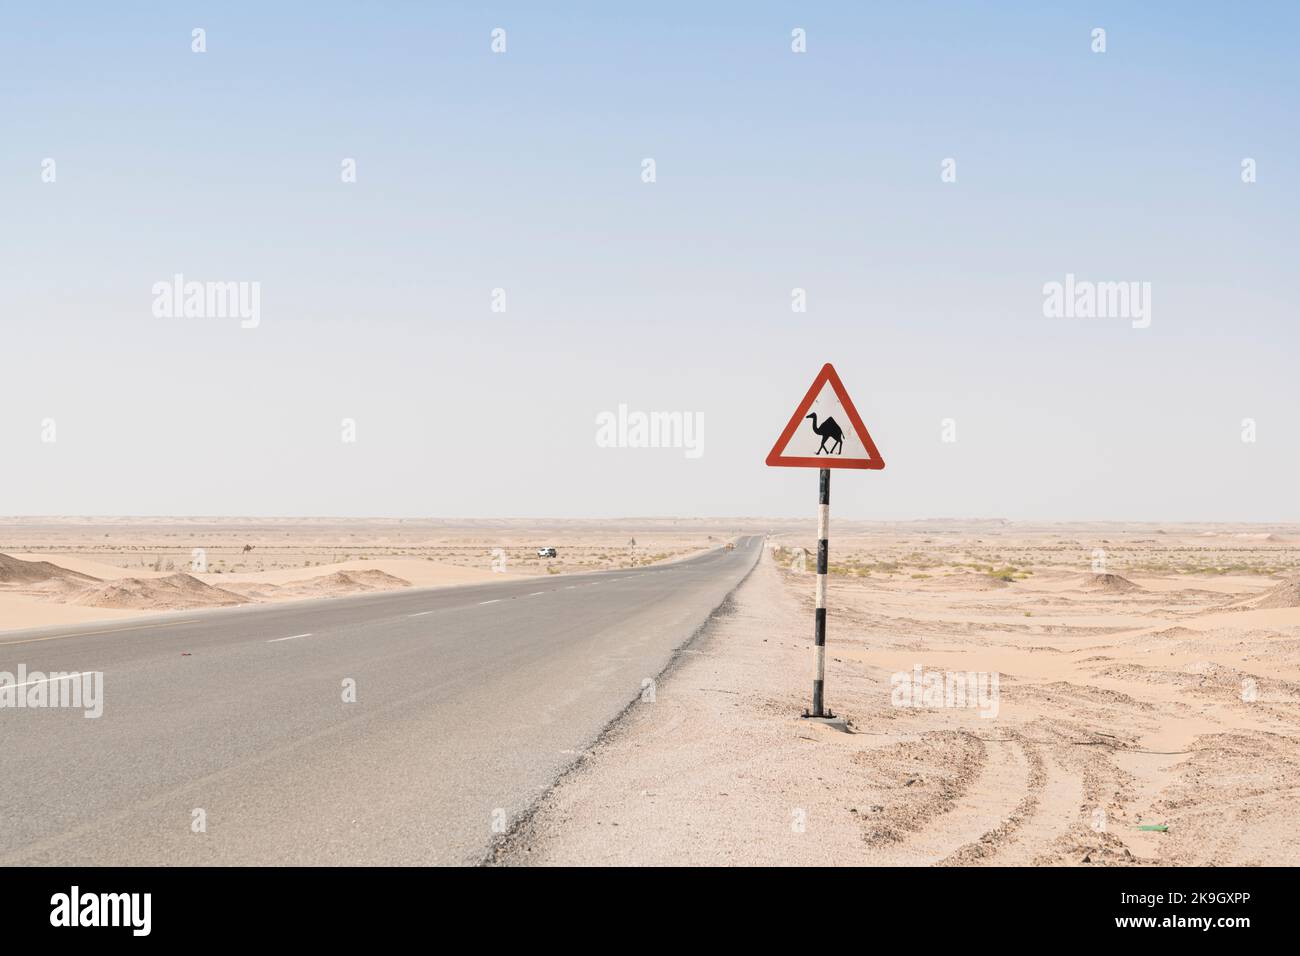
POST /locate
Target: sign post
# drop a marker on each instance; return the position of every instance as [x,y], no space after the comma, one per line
[828,442]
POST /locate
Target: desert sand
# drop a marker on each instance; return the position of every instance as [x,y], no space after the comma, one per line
[68,570]
[1147,679]
[1147,710]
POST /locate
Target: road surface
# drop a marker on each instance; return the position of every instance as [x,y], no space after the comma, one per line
[225,737]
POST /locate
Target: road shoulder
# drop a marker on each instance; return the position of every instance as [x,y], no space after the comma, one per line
[713,768]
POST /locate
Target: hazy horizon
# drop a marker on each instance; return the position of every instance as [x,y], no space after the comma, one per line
[702,518]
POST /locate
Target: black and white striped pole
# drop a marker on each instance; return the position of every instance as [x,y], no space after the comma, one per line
[835,439]
[819,624]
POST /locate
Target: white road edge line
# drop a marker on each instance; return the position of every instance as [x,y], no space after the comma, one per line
[493,601]
[292,637]
[419,614]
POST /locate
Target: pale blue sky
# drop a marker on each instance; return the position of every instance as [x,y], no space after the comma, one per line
[522,171]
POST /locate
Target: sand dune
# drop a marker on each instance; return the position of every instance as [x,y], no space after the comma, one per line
[15,571]
[414,571]
[334,584]
[1110,584]
[369,579]
[173,592]
[28,587]
[1286,594]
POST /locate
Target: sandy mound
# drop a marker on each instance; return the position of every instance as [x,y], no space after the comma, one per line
[343,582]
[376,580]
[1286,594]
[173,592]
[16,571]
[1110,584]
[252,591]
[1179,633]
[966,581]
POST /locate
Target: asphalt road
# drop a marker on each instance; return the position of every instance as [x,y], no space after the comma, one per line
[470,702]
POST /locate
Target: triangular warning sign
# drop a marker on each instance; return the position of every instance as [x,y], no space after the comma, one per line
[825,430]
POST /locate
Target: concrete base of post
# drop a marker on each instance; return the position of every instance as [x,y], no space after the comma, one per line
[807,715]
[830,720]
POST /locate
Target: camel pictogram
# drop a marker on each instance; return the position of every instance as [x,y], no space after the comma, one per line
[830,431]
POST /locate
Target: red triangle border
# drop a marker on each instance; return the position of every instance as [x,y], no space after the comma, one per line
[776,459]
